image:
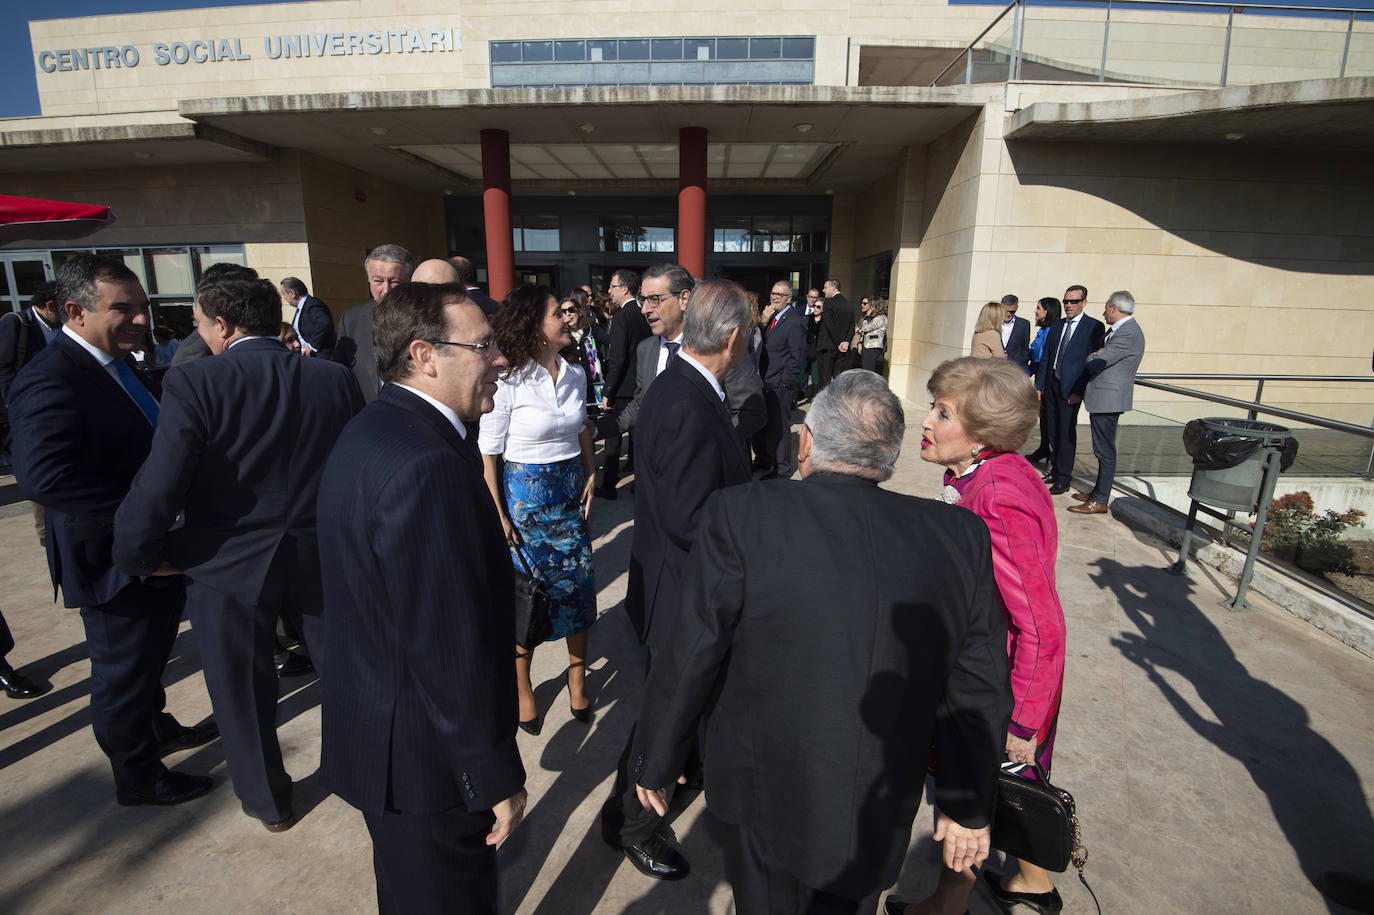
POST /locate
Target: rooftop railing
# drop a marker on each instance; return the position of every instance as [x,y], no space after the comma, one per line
[1166,42]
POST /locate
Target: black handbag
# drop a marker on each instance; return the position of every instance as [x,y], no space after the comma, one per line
[1035,821]
[532,622]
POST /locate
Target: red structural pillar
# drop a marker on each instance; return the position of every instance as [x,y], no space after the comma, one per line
[691,200]
[496,207]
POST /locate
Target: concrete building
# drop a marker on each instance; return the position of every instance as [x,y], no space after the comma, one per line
[1214,163]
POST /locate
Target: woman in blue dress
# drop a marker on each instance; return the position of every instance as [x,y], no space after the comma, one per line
[537,455]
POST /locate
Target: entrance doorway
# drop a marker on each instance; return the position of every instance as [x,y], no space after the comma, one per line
[21,275]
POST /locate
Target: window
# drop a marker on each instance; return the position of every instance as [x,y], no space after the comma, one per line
[505,52]
[798,48]
[569,50]
[536,233]
[603,50]
[765,48]
[732,49]
[700,48]
[634,49]
[769,234]
[638,235]
[538,51]
[667,48]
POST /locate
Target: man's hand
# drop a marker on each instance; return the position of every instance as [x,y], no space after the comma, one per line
[964,847]
[605,403]
[165,569]
[508,815]
[844,346]
[656,799]
[1075,399]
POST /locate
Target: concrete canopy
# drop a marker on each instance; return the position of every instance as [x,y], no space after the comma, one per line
[83,147]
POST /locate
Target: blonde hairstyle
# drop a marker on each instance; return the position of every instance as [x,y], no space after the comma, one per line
[878,304]
[995,399]
[990,318]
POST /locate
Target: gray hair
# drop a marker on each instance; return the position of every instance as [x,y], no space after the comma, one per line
[678,278]
[391,254]
[76,279]
[1123,300]
[856,426]
[294,286]
[715,308]
[790,290]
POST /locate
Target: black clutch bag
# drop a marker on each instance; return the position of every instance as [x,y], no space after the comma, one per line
[1037,822]
[532,623]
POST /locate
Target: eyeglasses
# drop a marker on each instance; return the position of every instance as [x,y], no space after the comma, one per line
[482,347]
[574,310]
[655,299]
[617,286]
[1074,301]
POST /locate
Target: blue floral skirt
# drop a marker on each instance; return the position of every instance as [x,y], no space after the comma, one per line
[545,505]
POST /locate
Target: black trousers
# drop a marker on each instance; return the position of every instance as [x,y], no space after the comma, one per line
[433,863]
[872,359]
[129,640]
[827,360]
[762,886]
[610,455]
[1063,423]
[1103,427]
[777,432]
[6,638]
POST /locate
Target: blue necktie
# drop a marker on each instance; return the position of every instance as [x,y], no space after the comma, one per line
[672,353]
[141,395]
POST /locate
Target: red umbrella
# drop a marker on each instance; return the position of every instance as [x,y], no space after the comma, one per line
[28,218]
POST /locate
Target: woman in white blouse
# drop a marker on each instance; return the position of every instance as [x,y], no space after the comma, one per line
[537,455]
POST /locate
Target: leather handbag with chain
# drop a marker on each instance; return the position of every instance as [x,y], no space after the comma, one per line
[1038,822]
[532,622]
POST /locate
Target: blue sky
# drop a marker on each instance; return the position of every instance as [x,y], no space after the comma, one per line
[19,95]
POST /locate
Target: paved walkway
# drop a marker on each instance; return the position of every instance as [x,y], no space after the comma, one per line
[1219,760]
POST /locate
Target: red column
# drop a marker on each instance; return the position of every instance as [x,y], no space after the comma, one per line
[691,200]
[496,206]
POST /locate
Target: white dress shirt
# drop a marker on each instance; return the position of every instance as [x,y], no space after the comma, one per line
[663,353]
[442,408]
[105,359]
[537,420]
[1007,328]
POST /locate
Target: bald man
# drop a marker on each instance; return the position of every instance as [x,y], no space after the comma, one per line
[436,271]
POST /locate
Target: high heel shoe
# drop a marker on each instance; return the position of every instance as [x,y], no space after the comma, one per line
[1045,903]
[531,727]
[583,715]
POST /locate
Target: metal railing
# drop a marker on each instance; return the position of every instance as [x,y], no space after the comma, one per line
[1054,54]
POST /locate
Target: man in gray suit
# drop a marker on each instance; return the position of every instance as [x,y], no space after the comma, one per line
[387,266]
[1111,380]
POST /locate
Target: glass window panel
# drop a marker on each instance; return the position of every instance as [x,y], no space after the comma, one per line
[28,277]
[667,48]
[765,48]
[517,241]
[569,50]
[504,52]
[133,259]
[538,51]
[4,284]
[798,48]
[700,49]
[634,49]
[618,233]
[732,49]
[606,50]
[541,233]
[171,270]
[206,255]
[656,239]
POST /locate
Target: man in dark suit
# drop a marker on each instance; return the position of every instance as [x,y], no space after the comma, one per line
[22,335]
[687,449]
[663,293]
[819,723]
[313,321]
[837,329]
[780,364]
[194,346]
[238,453]
[419,694]
[387,266]
[1063,377]
[1111,383]
[467,278]
[83,423]
[1016,335]
[628,328]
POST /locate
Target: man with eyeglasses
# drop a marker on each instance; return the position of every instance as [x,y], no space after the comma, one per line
[1062,380]
[628,328]
[780,362]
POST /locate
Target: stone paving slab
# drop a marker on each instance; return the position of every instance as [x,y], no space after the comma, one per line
[1219,759]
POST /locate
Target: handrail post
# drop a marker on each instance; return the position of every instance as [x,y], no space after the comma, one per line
[1015,34]
[1259,397]
[968,67]
[1345,54]
[1106,31]
[1021,44]
[1226,48]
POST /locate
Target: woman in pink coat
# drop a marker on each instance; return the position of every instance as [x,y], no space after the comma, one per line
[982,412]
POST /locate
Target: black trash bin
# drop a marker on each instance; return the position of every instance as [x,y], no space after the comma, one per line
[1228,459]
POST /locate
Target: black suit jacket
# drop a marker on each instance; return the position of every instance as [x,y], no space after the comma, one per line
[685,449]
[836,671]
[240,444]
[1018,344]
[316,326]
[628,328]
[419,712]
[483,301]
[743,391]
[353,348]
[1073,375]
[784,349]
[13,326]
[78,440]
[837,324]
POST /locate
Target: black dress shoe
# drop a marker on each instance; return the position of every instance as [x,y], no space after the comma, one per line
[172,787]
[1035,457]
[530,727]
[188,738]
[289,664]
[280,825]
[1058,489]
[1044,903]
[583,715]
[18,686]
[657,857]
[1048,479]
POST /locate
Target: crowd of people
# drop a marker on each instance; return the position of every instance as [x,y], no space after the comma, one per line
[367,491]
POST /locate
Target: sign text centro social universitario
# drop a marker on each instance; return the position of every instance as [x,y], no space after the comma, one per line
[275,47]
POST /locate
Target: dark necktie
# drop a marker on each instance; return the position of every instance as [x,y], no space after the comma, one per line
[672,353]
[141,395]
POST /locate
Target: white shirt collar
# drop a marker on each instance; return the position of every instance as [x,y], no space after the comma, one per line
[705,373]
[1124,319]
[250,337]
[101,356]
[442,408]
[678,340]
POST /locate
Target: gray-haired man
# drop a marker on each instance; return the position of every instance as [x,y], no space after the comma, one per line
[387,266]
[1111,381]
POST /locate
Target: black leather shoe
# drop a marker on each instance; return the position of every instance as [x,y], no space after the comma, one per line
[1058,489]
[1044,903]
[583,715]
[530,727]
[1048,479]
[172,787]
[188,738]
[605,492]
[657,857]
[289,664]
[18,686]
[281,825]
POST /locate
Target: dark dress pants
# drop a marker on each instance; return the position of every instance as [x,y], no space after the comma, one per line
[778,430]
[433,863]
[129,640]
[610,454]
[872,359]
[6,638]
[1103,427]
[827,360]
[1063,423]
[762,886]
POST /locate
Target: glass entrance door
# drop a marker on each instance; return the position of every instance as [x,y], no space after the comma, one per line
[21,274]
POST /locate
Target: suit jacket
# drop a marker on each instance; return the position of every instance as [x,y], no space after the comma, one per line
[78,441]
[1111,375]
[240,444]
[483,301]
[831,686]
[353,348]
[987,344]
[316,326]
[26,324]
[628,328]
[743,391]
[419,714]
[1073,377]
[784,349]
[1018,344]
[192,348]
[837,324]
[685,449]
